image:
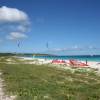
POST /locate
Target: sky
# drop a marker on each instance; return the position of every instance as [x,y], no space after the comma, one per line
[63,27]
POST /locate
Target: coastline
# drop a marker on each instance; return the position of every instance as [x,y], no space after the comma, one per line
[91,64]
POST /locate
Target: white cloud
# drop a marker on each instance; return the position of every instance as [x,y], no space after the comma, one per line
[16,36]
[12,15]
[14,23]
[74,48]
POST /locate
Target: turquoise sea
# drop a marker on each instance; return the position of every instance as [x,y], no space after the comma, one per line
[84,58]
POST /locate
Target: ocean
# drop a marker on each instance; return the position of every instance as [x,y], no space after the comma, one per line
[83,58]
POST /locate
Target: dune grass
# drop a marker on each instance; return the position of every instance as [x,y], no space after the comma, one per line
[42,82]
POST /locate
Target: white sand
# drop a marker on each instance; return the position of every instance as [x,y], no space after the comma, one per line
[91,64]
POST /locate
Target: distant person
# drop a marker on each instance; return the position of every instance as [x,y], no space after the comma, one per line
[86,61]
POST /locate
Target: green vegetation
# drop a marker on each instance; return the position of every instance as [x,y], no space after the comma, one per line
[42,82]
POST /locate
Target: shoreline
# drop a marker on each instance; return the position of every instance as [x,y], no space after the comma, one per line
[91,64]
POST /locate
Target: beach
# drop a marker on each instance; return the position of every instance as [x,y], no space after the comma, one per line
[91,64]
[32,78]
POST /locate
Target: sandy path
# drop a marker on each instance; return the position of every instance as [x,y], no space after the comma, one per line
[2,94]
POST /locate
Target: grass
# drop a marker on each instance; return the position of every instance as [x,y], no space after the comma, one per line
[42,82]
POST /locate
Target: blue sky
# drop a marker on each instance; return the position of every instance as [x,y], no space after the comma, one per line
[68,26]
